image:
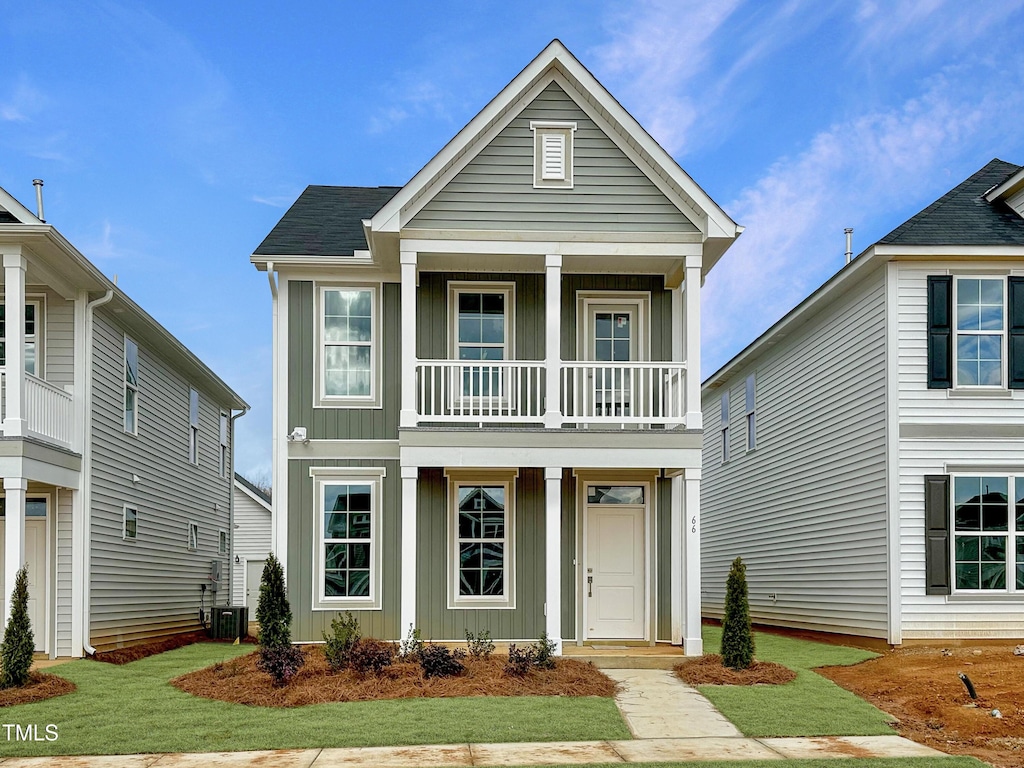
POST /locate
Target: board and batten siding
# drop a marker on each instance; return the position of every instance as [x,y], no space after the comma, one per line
[495,190]
[304,517]
[252,535]
[332,423]
[806,510]
[660,345]
[150,587]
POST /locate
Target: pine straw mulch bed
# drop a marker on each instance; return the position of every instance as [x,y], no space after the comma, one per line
[40,686]
[708,670]
[143,650]
[239,681]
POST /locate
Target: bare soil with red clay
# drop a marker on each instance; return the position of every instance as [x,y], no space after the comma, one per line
[708,670]
[40,686]
[920,687]
[240,682]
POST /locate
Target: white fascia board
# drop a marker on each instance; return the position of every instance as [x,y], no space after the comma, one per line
[839,282]
[551,247]
[252,495]
[10,203]
[305,260]
[950,251]
[1008,187]
[514,457]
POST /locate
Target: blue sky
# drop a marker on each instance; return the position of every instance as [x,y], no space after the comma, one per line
[173,135]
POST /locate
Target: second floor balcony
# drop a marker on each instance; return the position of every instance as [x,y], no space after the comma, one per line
[48,411]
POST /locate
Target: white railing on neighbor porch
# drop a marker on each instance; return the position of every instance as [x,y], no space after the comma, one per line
[480,390]
[624,393]
[49,410]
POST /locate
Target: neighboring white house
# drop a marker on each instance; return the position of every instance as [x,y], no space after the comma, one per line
[251,543]
[865,455]
[115,454]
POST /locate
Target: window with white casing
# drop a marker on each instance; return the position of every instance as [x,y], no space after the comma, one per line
[222,542]
[725,427]
[130,524]
[193,535]
[751,413]
[349,333]
[131,386]
[348,519]
[988,534]
[33,319]
[480,329]
[482,540]
[553,154]
[980,322]
[193,426]
[223,466]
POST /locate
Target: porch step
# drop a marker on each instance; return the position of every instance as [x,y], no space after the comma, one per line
[619,657]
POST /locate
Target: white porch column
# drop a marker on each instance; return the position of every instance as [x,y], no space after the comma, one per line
[15,424]
[553,555]
[693,645]
[677,537]
[691,344]
[14,537]
[552,339]
[408,416]
[407,610]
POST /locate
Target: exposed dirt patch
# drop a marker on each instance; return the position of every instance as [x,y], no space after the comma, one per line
[141,651]
[40,687]
[708,670]
[240,682]
[920,687]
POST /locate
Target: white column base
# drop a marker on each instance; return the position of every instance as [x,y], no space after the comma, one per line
[694,420]
[15,427]
[693,646]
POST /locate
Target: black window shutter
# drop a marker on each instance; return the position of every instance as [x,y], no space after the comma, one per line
[940,335]
[936,534]
[1015,345]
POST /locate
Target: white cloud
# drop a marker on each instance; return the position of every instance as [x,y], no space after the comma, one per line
[413,96]
[274,201]
[24,101]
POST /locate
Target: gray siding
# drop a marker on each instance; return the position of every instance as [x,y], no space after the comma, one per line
[59,341]
[309,625]
[151,586]
[662,564]
[334,423]
[63,572]
[807,508]
[251,540]
[495,190]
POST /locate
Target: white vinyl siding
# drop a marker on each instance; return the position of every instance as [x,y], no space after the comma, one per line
[807,509]
[252,539]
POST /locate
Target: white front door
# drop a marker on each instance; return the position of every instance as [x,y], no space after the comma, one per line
[35,557]
[253,577]
[615,574]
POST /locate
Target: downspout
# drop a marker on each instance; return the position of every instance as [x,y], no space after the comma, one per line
[231,500]
[87,468]
[275,408]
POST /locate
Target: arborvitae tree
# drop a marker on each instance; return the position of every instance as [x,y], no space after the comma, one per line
[737,637]
[273,612]
[18,645]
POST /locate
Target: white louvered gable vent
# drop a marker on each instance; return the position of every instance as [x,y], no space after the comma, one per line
[553,154]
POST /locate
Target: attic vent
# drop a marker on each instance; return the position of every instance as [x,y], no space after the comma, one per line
[552,154]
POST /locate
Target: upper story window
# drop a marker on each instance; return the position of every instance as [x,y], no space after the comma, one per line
[988,533]
[980,331]
[223,466]
[32,319]
[131,386]
[130,523]
[481,330]
[552,154]
[751,413]
[193,426]
[349,339]
[725,427]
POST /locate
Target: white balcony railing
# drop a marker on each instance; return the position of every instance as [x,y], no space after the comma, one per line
[478,391]
[49,410]
[623,393]
[512,391]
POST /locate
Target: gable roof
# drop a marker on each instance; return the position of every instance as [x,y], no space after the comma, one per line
[325,221]
[964,216]
[252,490]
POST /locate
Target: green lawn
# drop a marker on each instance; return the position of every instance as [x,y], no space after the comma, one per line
[128,709]
[811,705]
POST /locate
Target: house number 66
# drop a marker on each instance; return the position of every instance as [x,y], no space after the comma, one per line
[693,524]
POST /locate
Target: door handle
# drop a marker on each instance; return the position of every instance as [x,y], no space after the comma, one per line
[590,586]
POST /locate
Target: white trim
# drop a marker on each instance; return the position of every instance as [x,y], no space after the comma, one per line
[693,643]
[132,387]
[192,526]
[38,300]
[894,571]
[320,397]
[193,427]
[1003,333]
[587,301]
[677,546]
[750,410]
[226,540]
[408,416]
[553,556]
[1010,535]
[279,501]
[124,522]
[49,579]
[407,598]
[373,477]
[557,174]
[508,346]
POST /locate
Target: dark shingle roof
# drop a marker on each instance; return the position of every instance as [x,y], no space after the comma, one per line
[6,217]
[325,221]
[256,490]
[963,216]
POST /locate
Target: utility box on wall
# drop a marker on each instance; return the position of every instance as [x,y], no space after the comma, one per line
[229,622]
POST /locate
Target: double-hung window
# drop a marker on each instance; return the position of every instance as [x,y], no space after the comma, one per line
[193,426]
[349,335]
[988,533]
[223,466]
[131,386]
[481,333]
[130,524]
[751,400]
[980,329]
[32,317]
[482,541]
[725,427]
[348,520]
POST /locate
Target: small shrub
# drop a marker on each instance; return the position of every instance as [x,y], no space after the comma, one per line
[480,645]
[18,645]
[544,652]
[369,655]
[737,636]
[520,661]
[272,610]
[343,639]
[281,662]
[441,661]
[411,647]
